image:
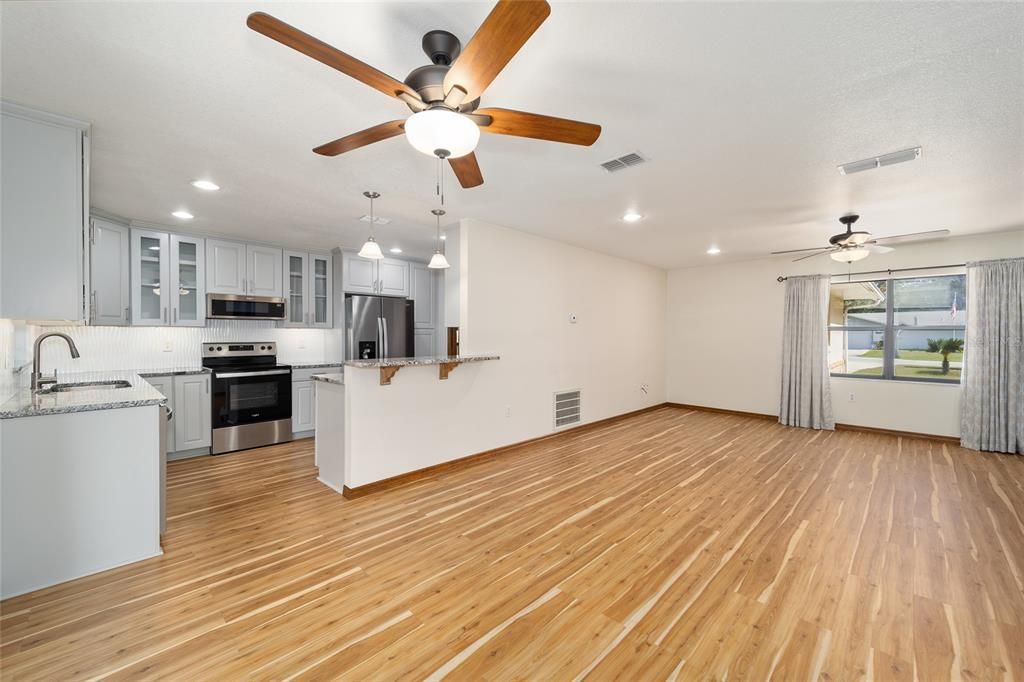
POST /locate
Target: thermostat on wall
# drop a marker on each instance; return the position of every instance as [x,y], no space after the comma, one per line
[572,318]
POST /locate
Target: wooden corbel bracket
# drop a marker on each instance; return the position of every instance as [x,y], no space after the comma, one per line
[386,373]
[445,368]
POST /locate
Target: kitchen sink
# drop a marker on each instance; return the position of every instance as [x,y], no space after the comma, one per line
[89,386]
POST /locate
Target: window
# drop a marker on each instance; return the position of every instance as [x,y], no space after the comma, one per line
[903,329]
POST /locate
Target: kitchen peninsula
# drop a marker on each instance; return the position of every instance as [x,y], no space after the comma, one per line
[374,424]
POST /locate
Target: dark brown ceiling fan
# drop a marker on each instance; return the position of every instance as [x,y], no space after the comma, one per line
[445,94]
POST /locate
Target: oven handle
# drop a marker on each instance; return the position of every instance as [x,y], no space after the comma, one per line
[236,375]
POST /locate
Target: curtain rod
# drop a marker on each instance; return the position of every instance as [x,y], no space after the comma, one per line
[889,272]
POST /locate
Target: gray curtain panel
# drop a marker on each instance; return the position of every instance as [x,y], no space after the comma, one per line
[806,395]
[992,406]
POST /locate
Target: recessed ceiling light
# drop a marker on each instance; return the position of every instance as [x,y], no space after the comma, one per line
[395,249]
[206,184]
[714,250]
[631,216]
[183,215]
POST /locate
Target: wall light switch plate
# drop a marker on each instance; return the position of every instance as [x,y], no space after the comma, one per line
[168,348]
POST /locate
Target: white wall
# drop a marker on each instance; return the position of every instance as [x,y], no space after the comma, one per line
[724,327]
[518,293]
[161,347]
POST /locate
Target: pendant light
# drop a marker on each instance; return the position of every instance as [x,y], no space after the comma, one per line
[438,261]
[371,249]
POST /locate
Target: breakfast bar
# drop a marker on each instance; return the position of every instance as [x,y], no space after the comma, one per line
[373,425]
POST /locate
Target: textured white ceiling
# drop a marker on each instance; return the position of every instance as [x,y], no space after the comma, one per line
[744,109]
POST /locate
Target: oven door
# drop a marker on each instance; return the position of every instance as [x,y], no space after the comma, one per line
[251,396]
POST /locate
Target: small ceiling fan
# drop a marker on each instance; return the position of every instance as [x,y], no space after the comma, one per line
[850,246]
[445,94]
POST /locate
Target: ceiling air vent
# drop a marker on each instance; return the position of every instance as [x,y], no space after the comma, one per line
[879,161]
[377,220]
[623,162]
[567,408]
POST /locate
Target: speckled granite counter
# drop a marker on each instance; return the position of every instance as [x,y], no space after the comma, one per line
[171,371]
[139,394]
[333,378]
[422,360]
[310,365]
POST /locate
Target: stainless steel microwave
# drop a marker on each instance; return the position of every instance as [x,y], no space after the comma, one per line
[235,307]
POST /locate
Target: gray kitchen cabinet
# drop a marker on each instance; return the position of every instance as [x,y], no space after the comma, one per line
[110,298]
[167,279]
[423,342]
[165,384]
[225,267]
[383,277]
[303,406]
[424,293]
[308,288]
[44,164]
[263,266]
[192,414]
[242,269]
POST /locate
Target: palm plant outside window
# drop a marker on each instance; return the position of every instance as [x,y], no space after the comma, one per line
[910,329]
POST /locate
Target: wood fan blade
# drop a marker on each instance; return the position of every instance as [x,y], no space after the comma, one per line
[820,248]
[913,237]
[467,170]
[286,34]
[362,138]
[505,30]
[539,127]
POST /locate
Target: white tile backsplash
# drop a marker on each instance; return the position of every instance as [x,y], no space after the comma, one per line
[104,348]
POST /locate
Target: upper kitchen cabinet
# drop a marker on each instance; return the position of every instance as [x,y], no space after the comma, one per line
[109,300]
[243,269]
[43,215]
[167,275]
[264,270]
[385,277]
[393,277]
[359,275]
[308,288]
[424,293]
[225,263]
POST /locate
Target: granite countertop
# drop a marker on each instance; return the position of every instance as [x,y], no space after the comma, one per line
[171,371]
[311,365]
[422,360]
[26,404]
[332,378]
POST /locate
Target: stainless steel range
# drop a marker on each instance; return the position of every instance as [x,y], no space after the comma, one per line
[252,395]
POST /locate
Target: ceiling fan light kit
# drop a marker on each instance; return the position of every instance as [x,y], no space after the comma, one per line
[850,255]
[436,130]
[850,246]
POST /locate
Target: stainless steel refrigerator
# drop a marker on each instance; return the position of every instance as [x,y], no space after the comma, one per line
[378,327]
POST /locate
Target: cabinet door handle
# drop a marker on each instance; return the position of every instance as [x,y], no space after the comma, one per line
[175,316]
[127,312]
[164,316]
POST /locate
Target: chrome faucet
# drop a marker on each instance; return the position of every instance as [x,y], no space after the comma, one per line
[37,376]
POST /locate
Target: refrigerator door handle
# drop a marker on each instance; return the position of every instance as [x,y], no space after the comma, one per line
[387,351]
[380,339]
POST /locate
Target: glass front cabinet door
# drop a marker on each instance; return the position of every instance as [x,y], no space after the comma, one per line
[307,283]
[188,281]
[149,278]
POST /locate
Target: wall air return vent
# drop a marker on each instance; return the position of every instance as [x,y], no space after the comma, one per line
[567,408]
[377,220]
[623,162]
[879,161]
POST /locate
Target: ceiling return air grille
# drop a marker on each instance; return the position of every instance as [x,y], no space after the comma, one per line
[567,408]
[880,161]
[623,162]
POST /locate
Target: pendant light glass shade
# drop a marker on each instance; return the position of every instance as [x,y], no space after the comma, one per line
[441,129]
[371,250]
[438,261]
[850,255]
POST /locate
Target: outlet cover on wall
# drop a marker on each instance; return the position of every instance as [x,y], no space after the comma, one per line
[168,346]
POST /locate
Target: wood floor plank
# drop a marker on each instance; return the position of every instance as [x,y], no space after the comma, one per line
[671,545]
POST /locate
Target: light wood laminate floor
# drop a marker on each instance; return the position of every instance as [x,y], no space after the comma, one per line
[674,544]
